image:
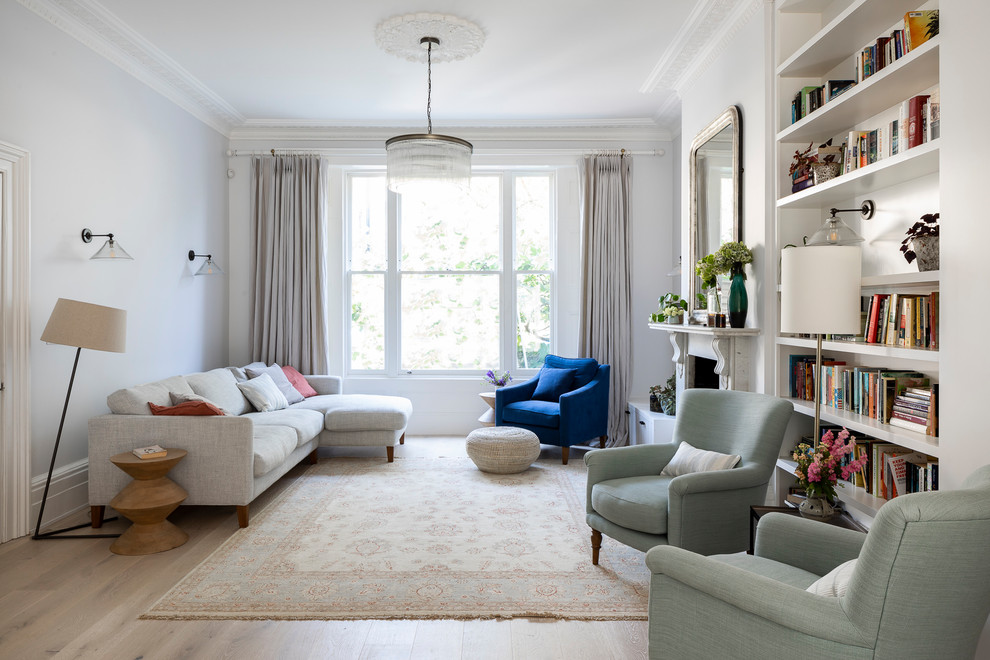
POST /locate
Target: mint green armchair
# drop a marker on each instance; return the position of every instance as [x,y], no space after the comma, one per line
[920,586]
[707,512]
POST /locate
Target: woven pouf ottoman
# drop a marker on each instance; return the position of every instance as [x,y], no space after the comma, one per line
[503,449]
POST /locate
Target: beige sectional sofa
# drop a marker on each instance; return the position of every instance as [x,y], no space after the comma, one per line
[235,457]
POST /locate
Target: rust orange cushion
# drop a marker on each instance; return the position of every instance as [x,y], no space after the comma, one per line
[196,408]
[299,382]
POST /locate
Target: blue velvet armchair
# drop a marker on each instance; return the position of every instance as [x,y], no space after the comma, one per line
[569,406]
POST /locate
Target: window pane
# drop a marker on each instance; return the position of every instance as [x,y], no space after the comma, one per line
[450,229]
[450,321]
[368,322]
[533,223]
[369,223]
[533,322]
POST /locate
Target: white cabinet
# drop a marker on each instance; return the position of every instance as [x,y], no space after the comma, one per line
[645,427]
[817,41]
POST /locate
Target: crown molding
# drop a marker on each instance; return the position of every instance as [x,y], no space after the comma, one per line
[92,25]
[522,130]
[702,38]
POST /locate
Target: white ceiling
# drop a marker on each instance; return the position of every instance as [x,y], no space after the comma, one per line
[278,63]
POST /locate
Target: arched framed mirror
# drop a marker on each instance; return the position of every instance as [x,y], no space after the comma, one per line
[715,175]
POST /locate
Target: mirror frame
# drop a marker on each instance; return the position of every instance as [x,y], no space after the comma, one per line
[730,117]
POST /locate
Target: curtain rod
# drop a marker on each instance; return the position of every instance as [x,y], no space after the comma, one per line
[237,153]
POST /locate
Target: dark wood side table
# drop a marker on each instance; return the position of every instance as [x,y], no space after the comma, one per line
[146,502]
[757,512]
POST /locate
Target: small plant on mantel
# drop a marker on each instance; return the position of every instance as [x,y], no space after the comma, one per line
[927,226]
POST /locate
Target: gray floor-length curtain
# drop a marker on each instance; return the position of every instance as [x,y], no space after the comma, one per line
[288,242]
[605,319]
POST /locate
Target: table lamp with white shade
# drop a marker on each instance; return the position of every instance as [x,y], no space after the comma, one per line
[820,294]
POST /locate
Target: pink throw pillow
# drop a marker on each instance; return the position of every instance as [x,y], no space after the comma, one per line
[192,408]
[299,382]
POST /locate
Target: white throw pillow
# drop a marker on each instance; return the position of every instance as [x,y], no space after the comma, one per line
[292,395]
[263,393]
[690,459]
[835,582]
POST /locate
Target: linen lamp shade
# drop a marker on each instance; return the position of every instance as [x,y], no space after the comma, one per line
[820,290]
[85,325]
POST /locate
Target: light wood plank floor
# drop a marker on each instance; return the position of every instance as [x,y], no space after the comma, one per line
[76,599]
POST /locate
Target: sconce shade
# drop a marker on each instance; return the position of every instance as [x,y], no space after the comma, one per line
[110,250]
[85,325]
[834,232]
[820,290]
[209,267]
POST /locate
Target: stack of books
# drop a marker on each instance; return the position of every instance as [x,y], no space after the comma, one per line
[915,409]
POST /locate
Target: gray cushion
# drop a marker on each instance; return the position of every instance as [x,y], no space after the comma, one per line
[220,387]
[263,393]
[306,423]
[361,412]
[272,445]
[292,395]
[638,503]
[240,373]
[134,400]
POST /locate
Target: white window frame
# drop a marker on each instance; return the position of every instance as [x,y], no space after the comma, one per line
[506,273]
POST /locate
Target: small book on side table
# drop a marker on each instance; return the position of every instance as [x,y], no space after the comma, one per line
[154,451]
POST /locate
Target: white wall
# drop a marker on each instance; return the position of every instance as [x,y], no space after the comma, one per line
[452,405]
[110,154]
[738,76]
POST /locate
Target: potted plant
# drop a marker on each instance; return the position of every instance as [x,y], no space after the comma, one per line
[666,397]
[730,259]
[705,269]
[819,469]
[922,243]
[497,378]
[670,309]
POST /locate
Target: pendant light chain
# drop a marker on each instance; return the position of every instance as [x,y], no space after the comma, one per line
[429,85]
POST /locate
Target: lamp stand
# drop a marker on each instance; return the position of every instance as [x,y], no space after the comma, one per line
[818,392]
[38,536]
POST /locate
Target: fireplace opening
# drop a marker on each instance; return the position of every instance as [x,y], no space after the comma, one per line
[703,373]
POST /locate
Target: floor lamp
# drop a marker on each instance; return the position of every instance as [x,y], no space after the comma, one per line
[820,294]
[82,325]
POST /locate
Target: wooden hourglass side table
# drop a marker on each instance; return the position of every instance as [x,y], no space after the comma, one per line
[146,502]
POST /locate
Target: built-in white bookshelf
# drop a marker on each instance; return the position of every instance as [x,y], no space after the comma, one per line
[816,41]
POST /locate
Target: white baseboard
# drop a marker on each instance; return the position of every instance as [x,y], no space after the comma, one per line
[68,494]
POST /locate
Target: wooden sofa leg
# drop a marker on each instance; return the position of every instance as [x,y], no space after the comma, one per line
[242,515]
[96,516]
[402,439]
[601,441]
[596,545]
[565,453]
[390,452]
[312,457]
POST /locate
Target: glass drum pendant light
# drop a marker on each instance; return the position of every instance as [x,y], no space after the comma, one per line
[428,156]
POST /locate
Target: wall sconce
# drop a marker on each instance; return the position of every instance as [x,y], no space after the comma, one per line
[110,250]
[836,232]
[209,266]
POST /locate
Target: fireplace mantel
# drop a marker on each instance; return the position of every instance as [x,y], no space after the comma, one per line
[731,348]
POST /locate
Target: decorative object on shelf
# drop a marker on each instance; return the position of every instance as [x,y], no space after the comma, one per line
[826,166]
[208,267]
[82,325]
[497,378]
[110,250]
[800,169]
[738,300]
[655,398]
[428,155]
[729,259]
[820,294]
[670,309]
[699,316]
[705,269]
[820,467]
[922,243]
[835,232]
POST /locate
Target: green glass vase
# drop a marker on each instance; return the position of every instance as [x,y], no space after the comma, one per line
[738,300]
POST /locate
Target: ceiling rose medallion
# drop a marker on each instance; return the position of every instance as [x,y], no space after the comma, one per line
[418,38]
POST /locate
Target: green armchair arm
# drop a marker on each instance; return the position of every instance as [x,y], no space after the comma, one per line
[806,544]
[821,617]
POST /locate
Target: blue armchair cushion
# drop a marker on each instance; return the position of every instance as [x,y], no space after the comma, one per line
[638,503]
[587,368]
[553,383]
[533,413]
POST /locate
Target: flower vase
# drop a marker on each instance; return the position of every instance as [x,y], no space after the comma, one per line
[817,507]
[738,300]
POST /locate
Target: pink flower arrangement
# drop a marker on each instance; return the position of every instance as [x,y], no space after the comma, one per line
[819,470]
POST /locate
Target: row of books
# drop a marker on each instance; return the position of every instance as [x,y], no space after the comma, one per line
[892,470]
[896,319]
[917,123]
[868,391]
[916,409]
[919,27]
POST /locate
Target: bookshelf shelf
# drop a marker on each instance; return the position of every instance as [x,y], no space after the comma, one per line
[910,75]
[911,164]
[862,348]
[862,424]
[928,280]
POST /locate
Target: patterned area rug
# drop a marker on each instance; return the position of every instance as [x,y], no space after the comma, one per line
[421,538]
